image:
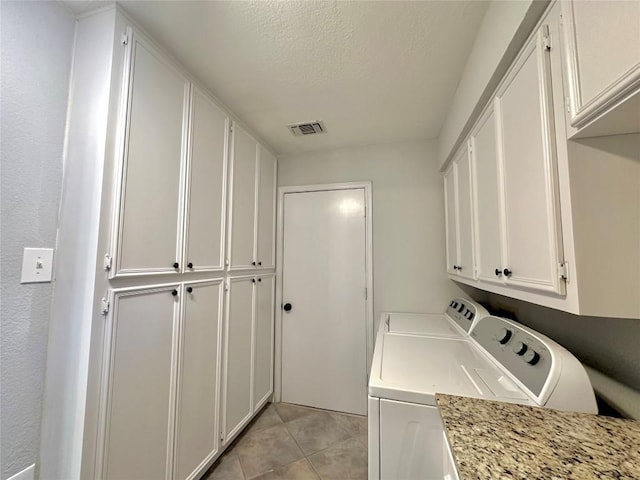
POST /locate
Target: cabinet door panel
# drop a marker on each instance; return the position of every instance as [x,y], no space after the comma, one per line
[530,240]
[487,206]
[266,209]
[150,204]
[604,42]
[465,219]
[197,428]
[207,185]
[263,357]
[451,218]
[243,201]
[139,405]
[238,401]
[413,444]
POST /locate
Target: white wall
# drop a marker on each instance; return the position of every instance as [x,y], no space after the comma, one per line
[504,29]
[408,217]
[36,47]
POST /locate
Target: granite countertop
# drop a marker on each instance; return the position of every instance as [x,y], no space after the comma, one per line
[496,440]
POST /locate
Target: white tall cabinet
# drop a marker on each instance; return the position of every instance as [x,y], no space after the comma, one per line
[249,325]
[252,210]
[154,149]
[156,346]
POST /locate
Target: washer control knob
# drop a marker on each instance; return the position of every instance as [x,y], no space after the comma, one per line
[504,336]
[520,348]
[451,303]
[461,308]
[532,357]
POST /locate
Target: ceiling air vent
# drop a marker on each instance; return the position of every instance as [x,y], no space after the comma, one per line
[307,128]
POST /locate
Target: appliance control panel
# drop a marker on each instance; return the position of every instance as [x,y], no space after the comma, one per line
[463,312]
[526,356]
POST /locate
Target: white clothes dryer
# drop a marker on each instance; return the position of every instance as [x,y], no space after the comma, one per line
[498,360]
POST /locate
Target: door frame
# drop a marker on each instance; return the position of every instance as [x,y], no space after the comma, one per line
[282,191]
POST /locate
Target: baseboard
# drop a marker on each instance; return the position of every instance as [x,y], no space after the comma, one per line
[26,474]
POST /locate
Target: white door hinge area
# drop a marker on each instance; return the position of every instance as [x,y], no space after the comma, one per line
[567,104]
[108,260]
[226,285]
[366,293]
[546,38]
[563,271]
[105,306]
[124,38]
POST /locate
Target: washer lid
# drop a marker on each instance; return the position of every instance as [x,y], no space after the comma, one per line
[413,369]
[421,324]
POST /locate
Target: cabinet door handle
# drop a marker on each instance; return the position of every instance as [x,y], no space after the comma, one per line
[190,265]
[253,263]
[174,292]
[287,307]
[507,272]
[498,272]
[189,289]
[260,263]
[176,265]
[259,279]
[253,280]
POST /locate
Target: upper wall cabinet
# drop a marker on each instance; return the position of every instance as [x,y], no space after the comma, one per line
[602,64]
[556,221]
[150,216]
[515,203]
[526,148]
[488,199]
[252,204]
[173,173]
[459,223]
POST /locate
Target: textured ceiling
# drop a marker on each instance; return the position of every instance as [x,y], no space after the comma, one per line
[375,72]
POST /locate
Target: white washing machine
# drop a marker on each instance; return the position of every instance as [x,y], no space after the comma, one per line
[456,321]
[498,360]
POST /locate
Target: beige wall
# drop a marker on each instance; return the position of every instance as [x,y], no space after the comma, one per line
[408,217]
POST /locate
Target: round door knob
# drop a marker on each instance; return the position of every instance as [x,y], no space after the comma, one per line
[253,280]
[189,289]
[504,335]
[190,265]
[287,307]
[174,292]
[253,263]
[259,279]
[176,265]
[532,357]
[520,348]
[260,263]
[507,272]
[498,272]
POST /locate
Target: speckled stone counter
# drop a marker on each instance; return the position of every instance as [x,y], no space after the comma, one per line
[495,440]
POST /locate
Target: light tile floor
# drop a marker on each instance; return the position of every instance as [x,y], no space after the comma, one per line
[289,442]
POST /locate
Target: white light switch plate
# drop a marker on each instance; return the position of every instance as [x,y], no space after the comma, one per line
[37,265]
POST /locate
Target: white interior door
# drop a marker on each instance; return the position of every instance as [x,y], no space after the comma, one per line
[324,276]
